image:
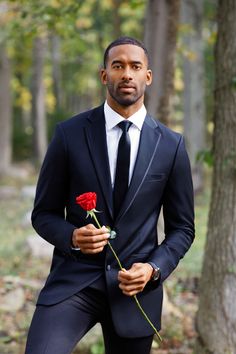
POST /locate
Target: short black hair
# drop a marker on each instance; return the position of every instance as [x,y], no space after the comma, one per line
[121,41]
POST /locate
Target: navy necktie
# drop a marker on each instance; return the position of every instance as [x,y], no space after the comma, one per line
[122,166]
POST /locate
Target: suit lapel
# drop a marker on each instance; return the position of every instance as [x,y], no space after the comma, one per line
[96,137]
[149,141]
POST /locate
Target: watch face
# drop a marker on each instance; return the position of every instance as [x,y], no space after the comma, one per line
[156,274]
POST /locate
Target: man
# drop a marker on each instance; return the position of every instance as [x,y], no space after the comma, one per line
[90,153]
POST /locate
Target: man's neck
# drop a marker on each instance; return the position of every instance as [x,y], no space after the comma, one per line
[125,111]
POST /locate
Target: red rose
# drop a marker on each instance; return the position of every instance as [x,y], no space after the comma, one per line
[87,201]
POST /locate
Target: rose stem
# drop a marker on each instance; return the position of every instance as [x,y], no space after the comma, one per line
[135,297]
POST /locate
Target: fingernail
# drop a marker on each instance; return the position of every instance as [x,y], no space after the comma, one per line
[105,228]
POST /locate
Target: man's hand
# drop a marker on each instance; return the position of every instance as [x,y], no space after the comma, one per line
[89,239]
[133,281]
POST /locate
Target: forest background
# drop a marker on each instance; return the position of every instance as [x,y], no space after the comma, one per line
[50,55]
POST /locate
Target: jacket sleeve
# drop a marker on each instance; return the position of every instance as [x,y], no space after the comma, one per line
[178,212]
[48,216]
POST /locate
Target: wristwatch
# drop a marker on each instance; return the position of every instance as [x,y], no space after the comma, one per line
[155,274]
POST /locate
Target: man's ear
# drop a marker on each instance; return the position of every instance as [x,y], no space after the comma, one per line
[103,76]
[149,77]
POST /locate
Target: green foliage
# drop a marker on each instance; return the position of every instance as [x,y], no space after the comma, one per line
[29,17]
[233,82]
[22,142]
[97,348]
[232,270]
[191,265]
[206,156]
[53,119]
[83,28]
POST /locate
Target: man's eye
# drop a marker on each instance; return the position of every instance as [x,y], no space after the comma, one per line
[136,67]
[117,66]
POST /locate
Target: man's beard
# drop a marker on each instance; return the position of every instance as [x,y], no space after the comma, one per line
[124,100]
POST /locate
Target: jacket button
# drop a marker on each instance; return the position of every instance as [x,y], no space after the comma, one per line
[108,267]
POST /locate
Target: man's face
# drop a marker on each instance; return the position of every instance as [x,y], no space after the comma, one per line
[126,75]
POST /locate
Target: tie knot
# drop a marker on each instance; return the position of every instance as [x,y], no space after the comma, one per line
[125,125]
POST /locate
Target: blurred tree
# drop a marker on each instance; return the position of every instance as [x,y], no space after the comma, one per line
[216,319]
[161,25]
[193,74]
[5,111]
[117,19]
[78,32]
[56,69]
[38,100]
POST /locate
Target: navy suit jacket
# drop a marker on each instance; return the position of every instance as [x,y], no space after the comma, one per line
[77,162]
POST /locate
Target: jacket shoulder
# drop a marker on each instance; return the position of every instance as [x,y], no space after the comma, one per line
[165,131]
[80,119]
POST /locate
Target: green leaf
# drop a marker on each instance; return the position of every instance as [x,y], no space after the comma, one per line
[97,348]
[5,339]
[205,156]
[233,82]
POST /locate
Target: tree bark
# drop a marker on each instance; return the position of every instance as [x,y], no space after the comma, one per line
[5,112]
[116,19]
[216,318]
[160,37]
[56,70]
[38,101]
[193,70]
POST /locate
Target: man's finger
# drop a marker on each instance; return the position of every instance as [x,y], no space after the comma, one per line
[130,275]
[131,287]
[92,239]
[94,245]
[130,291]
[92,250]
[137,279]
[93,231]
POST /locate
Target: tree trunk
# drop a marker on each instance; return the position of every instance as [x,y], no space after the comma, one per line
[216,319]
[116,19]
[193,69]
[56,70]
[38,100]
[5,112]
[160,39]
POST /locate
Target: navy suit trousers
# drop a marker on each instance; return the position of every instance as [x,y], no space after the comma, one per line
[56,329]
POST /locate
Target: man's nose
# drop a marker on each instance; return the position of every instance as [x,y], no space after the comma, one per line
[127,75]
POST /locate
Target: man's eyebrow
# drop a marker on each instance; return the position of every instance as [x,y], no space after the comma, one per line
[132,61]
[116,62]
[137,62]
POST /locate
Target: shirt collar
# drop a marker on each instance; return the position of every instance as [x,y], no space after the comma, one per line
[112,118]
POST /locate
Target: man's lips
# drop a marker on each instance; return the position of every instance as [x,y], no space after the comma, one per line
[126,88]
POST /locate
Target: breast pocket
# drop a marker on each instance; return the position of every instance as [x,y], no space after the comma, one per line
[155,177]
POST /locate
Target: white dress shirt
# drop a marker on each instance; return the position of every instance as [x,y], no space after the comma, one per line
[113,134]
